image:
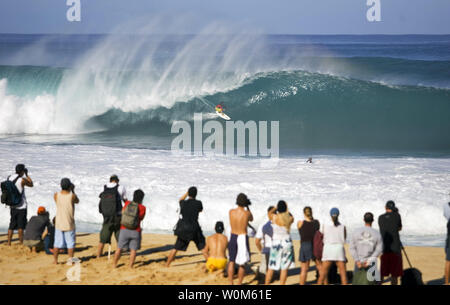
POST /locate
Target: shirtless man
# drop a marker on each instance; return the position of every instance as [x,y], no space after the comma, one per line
[216,246]
[238,248]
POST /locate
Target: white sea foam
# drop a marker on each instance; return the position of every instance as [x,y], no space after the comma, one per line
[355,185]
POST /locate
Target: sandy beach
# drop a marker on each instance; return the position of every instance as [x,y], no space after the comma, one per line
[19,266]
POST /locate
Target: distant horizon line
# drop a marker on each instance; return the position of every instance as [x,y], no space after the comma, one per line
[193,34]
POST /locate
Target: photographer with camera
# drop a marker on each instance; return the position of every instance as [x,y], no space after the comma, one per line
[18,219]
[238,247]
[187,228]
[65,222]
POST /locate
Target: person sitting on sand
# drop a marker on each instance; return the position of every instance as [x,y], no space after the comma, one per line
[334,235]
[110,207]
[216,247]
[238,247]
[447,244]
[282,250]
[188,228]
[390,225]
[65,223]
[307,229]
[18,220]
[365,247]
[36,230]
[263,241]
[130,229]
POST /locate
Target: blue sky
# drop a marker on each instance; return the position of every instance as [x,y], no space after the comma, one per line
[271,17]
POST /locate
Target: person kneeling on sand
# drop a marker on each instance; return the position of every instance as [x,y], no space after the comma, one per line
[36,230]
[216,247]
[65,223]
[238,247]
[188,229]
[130,230]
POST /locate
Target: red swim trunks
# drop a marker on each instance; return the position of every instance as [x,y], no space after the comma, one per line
[391,264]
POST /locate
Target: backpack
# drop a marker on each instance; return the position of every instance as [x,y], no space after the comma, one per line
[318,245]
[10,194]
[130,216]
[109,201]
[411,276]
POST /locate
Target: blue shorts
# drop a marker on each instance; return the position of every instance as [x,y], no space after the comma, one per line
[64,239]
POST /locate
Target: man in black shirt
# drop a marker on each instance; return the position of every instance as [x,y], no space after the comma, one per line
[390,225]
[35,229]
[188,229]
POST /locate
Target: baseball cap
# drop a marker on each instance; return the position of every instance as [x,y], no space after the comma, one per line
[41,210]
[334,212]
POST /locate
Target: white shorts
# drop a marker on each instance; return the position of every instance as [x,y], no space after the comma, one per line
[333,253]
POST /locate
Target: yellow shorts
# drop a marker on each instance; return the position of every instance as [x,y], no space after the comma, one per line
[213,264]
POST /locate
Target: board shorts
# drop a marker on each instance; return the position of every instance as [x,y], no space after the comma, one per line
[333,253]
[18,220]
[281,254]
[199,240]
[64,239]
[239,249]
[213,264]
[306,252]
[110,226]
[391,264]
[129,239]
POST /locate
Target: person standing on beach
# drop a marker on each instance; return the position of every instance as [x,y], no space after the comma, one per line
[365,247]
[334,235]
[238,247]
[447,244]
[263,241]
[390,225]
[65,219]
[188,228]
[130,236]
[216,247]
[37,229]
[18,220]
[282,250]
[110,207]
[307,229]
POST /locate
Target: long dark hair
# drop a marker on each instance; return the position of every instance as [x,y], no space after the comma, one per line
[335,219]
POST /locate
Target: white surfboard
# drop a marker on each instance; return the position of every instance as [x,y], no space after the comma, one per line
[223,115]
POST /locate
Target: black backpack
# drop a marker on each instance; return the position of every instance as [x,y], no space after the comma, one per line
[10,194]
[110,202]
[411,276]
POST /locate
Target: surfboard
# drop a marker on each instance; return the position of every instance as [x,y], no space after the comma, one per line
[223,115]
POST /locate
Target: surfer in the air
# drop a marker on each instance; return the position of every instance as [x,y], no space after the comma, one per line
[219,108]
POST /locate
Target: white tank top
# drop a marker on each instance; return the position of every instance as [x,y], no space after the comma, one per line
[333,234]
[23,204]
